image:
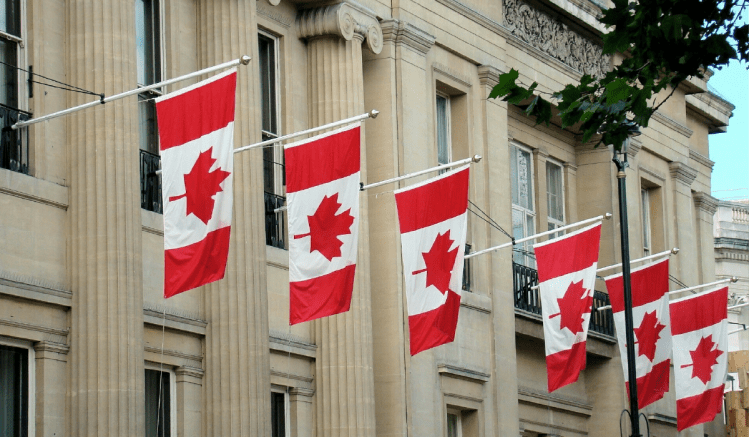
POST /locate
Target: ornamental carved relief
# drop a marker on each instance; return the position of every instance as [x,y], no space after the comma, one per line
[554,38]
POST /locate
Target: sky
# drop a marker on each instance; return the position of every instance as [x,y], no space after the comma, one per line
[730,150]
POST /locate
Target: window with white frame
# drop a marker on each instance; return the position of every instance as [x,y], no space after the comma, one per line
[149,65]
[454,425]
[444,153]
[523,211]
[10,48]
[646,234]
[159,402]
[278,411]
[554,197]
[16,389]
[273,169]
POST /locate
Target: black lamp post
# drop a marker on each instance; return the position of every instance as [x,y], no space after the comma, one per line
[620,159]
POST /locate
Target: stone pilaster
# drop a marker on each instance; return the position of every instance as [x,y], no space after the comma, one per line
[237,364]
[685,268]
[189,401]
[51,359]
[705,205]
[106,394]
[344,383]
[570,199]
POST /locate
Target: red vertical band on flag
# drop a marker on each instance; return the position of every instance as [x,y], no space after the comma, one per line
[187,116]
[197,264]
[571,253]
[699,409]
[713,310]
[564,367]
[325,159]
[427,204]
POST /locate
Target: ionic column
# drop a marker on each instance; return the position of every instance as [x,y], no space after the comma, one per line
[344,373]
[106,391]
[236,388]
[684,267]
[706,206]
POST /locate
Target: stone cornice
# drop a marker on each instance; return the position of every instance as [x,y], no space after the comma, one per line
[682,172]
[463,373]
[673,124]
[345,19]
[406,34]
[489,75]
[702,159]
[48,346]
[705,202]
[452,74]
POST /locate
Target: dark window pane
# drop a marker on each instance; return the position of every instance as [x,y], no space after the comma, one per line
[267,63]
[10,17]
[149,128]
[158,420]
[278,414]
[8,75]
[147,41]
[13,391]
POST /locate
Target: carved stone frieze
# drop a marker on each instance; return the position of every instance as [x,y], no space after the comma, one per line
[553,38]
[345,19]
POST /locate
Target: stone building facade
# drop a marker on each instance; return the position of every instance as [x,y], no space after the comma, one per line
[731,224]
[89,347]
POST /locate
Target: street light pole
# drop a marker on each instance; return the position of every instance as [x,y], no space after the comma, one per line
[621,164]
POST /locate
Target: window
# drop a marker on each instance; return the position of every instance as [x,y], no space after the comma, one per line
[453,423]
[554,197]
[10,40]
[148,60]
[274,173]
[443,130]
[467,270]
[646,235]
[523,211]
[278,414]
[158,403]
[14,391]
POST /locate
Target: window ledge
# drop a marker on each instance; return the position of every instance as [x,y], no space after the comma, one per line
[33,189]
[475,301]
[152,222]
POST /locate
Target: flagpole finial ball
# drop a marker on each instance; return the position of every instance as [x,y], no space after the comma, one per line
[244,60]
[608,216]
[374,113]
[675,250]
[476,158]
[734,279]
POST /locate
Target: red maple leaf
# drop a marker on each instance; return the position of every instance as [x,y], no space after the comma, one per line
[648,335]
[201,185]
[704,358]
[440,261]
[576,302]
[325,227]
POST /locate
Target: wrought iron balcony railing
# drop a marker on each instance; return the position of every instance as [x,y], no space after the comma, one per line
[150,182]
[275,222]
[528,299]
[14,144]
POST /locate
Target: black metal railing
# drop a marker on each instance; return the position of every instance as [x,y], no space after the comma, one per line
[275,222]
[150,182]
[467,270]
[528,299]
[14,144]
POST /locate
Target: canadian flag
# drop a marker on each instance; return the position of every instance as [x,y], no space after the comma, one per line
[567,275]
[699,325]
[433,221]
[651,322]
[322,194]
[196,133]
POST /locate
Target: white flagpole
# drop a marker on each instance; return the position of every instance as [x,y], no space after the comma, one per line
[371,114]
[738,330]
[244,60]
[539,235]
[722,281]
[673,251]
[476,158]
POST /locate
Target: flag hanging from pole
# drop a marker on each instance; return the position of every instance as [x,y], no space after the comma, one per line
[433,221]
[196,133]
[566,276]
[322,194]
[651,323]
[699,325]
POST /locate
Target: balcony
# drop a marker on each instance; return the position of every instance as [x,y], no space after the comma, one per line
[528,299]
[14,144]
[275,222]
[150,182]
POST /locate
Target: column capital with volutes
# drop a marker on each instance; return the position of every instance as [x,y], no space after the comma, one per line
[346,19]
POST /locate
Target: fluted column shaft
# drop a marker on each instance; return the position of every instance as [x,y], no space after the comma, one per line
[106,391]
[344,372]
[237,365]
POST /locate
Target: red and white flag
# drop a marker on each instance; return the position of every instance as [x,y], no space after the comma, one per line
[651,322]
[322,194]
[196,133]
[433,222]
[566,276]
[699,325]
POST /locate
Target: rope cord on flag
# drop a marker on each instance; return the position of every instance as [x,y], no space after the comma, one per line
[676,281]
[489,219]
